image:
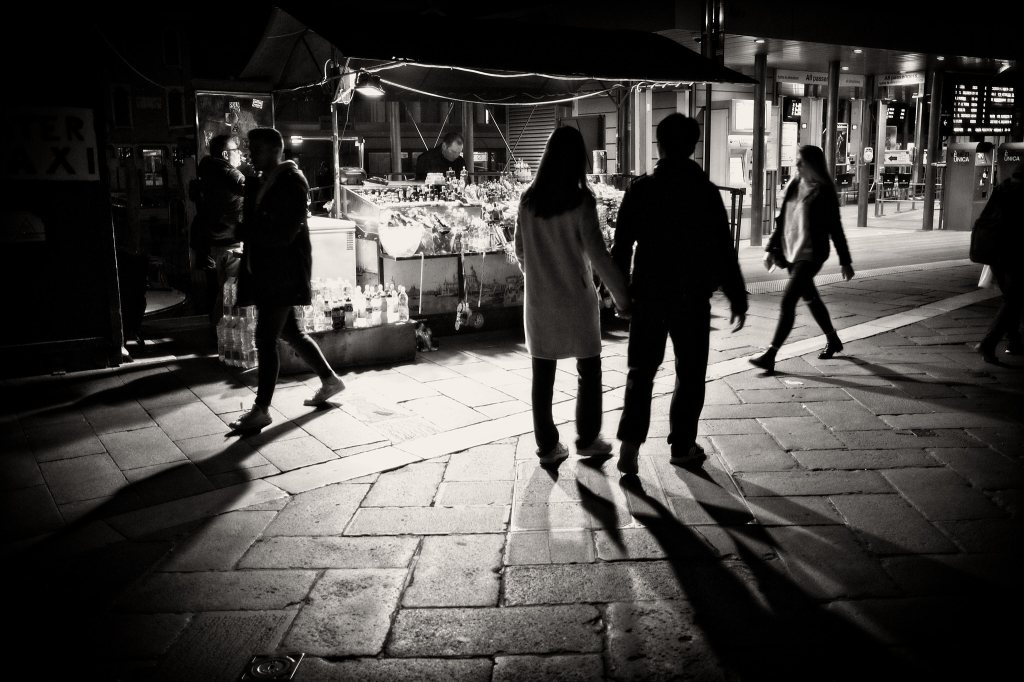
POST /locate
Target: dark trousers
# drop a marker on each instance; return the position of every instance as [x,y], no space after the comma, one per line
[278,322]
[1008,318]
[689,327]
[588,402]
[801,285]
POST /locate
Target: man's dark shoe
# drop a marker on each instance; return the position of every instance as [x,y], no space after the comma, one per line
[765,361]
[695,455]
[988,353]
[832,346]
[629,458]
[1014,348]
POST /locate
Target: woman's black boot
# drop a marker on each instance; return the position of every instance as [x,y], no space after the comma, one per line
[832,346]
[765,361]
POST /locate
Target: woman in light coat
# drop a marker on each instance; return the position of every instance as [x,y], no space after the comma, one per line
[559,244]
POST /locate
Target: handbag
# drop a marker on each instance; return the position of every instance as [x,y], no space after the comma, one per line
[985,236]
[986,280]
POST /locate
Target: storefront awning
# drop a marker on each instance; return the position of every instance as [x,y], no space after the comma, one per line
[476,60]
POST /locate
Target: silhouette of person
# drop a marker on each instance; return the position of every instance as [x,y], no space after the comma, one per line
[679,225]
[558,242]
[219,195]
[800,243]
[997,239]
[276,270]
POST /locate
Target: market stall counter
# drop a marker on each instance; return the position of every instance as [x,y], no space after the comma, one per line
[449,244]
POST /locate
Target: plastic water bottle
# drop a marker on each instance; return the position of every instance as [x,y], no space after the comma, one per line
[350,313]
[359,308]
[222,337]
[403,304]
[376,303]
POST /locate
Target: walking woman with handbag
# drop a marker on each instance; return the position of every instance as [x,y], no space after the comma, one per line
[800,243]
[997,239]
[558,243]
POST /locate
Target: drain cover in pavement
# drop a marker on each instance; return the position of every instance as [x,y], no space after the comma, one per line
[277,667]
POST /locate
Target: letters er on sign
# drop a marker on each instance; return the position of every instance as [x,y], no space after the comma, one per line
[50,144]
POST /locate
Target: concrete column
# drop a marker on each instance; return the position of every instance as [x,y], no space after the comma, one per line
[811,115]
[864,175]
[832,117]
[623,128]
[692,113]
[883,114]
[934,108]
[641,135]
[394,115]
[468,119]
[757,179]
[706,127]
[918,134]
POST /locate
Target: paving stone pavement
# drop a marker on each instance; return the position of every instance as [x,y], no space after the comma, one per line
[856,516]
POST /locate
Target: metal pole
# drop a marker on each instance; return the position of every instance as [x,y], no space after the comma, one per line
[934,108]
[883,115]
[864,179]
[395,128]
[336,157]
[468,116]
[692,113]
[918,135]
[832,117]
[757,181]
[710,49]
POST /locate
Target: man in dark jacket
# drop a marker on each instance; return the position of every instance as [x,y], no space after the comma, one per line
[214,238]
[999,237]
[442,158]
[275,273]
[684,253]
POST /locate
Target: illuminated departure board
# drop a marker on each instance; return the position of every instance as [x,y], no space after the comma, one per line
[982,109]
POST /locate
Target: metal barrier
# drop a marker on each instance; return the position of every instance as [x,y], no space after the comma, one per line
[736,195]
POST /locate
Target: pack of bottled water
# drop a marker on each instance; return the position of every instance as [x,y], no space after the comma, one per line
[335,304]
[236,331]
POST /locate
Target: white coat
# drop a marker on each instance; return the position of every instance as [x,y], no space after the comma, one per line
[562,310]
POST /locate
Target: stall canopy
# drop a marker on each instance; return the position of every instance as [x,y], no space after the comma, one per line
[476,60]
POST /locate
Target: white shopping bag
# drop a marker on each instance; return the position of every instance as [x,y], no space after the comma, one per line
[986,280]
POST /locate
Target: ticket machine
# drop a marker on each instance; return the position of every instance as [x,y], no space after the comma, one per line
[1009,157]
[967,183]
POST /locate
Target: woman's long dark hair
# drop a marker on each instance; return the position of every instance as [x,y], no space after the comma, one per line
[561,181]
[814,159]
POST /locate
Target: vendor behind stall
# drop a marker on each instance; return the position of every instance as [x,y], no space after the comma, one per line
[442,158]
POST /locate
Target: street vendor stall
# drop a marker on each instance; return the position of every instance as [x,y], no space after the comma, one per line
[447,240]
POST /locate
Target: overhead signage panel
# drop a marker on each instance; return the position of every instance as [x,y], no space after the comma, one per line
[846,80]
[890,80]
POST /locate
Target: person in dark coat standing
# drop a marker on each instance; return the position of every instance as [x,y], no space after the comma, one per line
[998,240]
[445,157]
[684,252]
[219,194]
[275,274]
[800,243]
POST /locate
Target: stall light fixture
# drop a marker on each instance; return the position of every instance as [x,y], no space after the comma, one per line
[858,51]
[759,41]
[296,140]
[941,58]
[846,68]
[369,85]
